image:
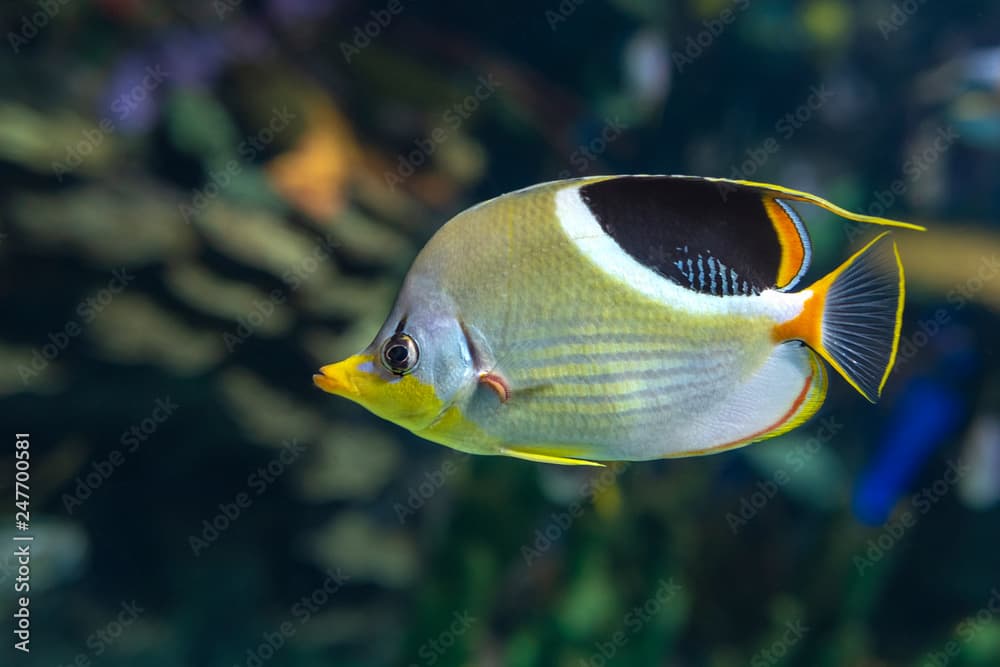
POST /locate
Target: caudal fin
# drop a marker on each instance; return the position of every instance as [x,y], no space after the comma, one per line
[853,317]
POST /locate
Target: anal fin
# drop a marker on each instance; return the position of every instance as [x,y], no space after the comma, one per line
[785,392]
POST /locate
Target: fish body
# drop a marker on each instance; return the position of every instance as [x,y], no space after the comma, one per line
[624,318]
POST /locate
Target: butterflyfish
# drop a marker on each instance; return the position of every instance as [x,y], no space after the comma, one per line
[624,318]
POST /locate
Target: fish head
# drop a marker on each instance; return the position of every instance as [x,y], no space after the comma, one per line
[418,365]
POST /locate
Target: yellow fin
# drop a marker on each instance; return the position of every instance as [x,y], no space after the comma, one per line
[780,192]
[541,457]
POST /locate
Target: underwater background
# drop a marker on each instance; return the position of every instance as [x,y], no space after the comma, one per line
[203,202]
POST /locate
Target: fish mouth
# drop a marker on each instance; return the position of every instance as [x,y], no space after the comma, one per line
[338,378]
[325,383]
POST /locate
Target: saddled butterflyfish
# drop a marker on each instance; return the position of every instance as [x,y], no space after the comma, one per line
[626,318]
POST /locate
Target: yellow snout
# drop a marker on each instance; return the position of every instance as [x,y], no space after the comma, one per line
[404,400]
[342,378]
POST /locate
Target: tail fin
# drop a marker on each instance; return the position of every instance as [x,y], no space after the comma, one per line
[854,315]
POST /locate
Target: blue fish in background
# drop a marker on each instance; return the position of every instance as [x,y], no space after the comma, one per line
[931,409]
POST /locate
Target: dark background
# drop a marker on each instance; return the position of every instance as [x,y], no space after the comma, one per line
[203,202]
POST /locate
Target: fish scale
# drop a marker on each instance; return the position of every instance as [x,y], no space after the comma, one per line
[583,299]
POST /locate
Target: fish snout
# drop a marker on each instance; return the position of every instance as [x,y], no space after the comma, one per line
[336,379]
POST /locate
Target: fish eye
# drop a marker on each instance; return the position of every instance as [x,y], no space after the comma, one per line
[400,354]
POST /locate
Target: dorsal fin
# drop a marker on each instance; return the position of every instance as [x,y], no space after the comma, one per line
[702,236]
[780,192]
[715,236]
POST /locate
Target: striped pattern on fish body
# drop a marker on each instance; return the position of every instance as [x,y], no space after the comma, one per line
[628,318]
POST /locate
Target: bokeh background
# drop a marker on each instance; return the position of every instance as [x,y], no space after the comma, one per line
[202,202]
